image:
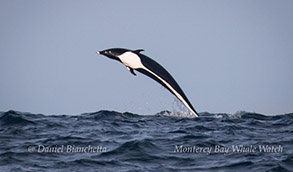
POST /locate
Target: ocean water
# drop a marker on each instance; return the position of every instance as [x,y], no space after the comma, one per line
[166,141]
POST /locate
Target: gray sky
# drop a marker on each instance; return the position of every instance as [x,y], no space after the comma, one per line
[226,55]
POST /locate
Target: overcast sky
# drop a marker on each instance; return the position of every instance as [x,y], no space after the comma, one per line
[226,55]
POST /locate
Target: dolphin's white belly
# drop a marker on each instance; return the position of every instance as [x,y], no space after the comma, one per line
[131,60]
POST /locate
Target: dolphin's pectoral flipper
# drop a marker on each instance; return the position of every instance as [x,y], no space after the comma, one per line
[131,70]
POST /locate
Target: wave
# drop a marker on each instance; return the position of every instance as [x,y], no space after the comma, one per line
[137,142]
[15,118]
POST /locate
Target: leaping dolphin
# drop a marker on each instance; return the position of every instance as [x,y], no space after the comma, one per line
[134,60]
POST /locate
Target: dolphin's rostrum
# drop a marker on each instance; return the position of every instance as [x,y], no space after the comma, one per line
[134,60]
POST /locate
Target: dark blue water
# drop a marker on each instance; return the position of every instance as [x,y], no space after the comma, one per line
[114,141]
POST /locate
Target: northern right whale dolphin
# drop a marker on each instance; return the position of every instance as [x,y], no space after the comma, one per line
[134,60]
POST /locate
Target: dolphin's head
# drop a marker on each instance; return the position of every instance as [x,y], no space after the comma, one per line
[113,53]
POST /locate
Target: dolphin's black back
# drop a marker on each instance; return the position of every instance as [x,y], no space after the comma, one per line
[163,73]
